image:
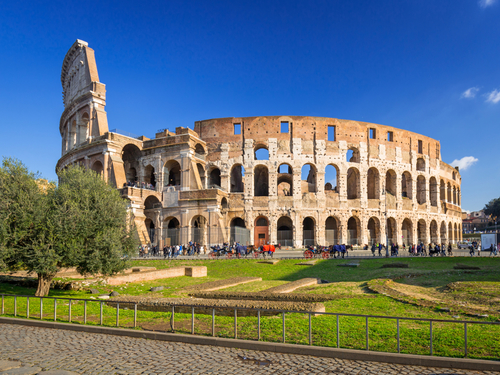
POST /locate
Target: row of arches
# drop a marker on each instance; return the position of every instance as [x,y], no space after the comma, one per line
[76,131]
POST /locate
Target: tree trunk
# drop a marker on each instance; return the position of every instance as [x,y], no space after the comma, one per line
[44,282]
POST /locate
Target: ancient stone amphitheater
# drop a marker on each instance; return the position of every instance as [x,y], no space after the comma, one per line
[285,179]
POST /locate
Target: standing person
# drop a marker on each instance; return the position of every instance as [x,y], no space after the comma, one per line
[380,249]
[373,249]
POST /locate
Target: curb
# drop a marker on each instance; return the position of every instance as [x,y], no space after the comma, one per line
[350,354]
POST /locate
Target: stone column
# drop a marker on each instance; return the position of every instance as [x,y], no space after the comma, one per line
[297,228]
[185,167]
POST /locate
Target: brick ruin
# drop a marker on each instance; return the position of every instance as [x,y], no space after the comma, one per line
[292,180]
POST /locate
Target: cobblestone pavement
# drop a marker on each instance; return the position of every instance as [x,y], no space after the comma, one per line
[91,353]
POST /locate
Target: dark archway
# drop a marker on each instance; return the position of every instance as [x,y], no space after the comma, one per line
[285,231]
[261,181]
[308,229]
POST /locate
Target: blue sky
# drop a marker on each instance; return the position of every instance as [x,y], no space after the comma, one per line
[432,67]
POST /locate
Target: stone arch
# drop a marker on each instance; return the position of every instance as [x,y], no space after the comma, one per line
[458,196]
[284,230]
[151,230]
[261,181]
[72,135]
[373,230]
[238,231]
[353,231]
[442,191]
[151,202]
[406,185]
[454,195]
[172,231]
[308,178]
[130,157]
[353,184]
[97,168]
[224,204]
[352,155]
[434,232]
[261,152]
[198,229]
[236,180]
[373,183]
[443,232]
[214,178]
[421,190]
[448,193]
[422,232]
[332,178]
[455,233]
[407,231]
[285,180]
[201,172]
[172,173]
[308,231]
[433,189]
[421,164]
[454,175]
[149,175]
[450,233]
[199,149]
[391,231]
[261,231]
[332,227]
[390,182]
[84,128]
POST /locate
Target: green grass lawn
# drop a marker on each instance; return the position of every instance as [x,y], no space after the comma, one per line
[350,284]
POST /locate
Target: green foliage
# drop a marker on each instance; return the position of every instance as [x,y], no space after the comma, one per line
[493,208]
[80,223]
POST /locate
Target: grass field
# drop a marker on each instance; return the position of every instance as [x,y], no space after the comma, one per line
[426,279]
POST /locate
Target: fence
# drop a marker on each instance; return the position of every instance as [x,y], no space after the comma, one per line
[452,338]
[206,235]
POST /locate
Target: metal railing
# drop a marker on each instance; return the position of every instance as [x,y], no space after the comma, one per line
[171,310]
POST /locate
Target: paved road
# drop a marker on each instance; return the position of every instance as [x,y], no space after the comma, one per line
[91,353]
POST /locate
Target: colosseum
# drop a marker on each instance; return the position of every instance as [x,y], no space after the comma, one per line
[291,180]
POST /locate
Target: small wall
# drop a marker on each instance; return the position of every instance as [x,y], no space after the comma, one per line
[199,271]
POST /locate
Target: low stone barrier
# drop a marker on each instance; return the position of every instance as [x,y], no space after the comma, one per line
[281,297]
[221,284]
[198,271]
[290,287]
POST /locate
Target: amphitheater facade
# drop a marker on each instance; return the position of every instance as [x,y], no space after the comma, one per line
[291,180]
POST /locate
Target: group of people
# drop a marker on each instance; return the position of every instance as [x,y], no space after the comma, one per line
[140,185]
[169,252]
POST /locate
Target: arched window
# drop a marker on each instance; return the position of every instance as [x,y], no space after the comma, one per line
[448,195]
[373,183]
[331,231]
[308,231]
[198,229]
[172,173]
[261,181]
[443,232]
[239,233]
[421,191]
[373,231]
[285,180]
[434,232]
[406,185]
[353,185]
[201,172]
[224,204]
[422,232]
[149,176]
[391,228]
[84,129]
[352,155]
[407,232]
[353,231]
[237,173]
[215,181]
[331,178]
[261,231]
[390,182]
[130,156]
[433,188]
[97,167]
[199,150]
[151,202]
[421,164]
[261,153]
[308,177]
[442,191]
[285,231]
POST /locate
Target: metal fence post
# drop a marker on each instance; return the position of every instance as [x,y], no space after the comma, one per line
[310,330]
[367,339]
[430,332]
[338,332]
[27,307]
[135,315]
[55,309]
[41,308]
[397,322]
[3,305]
[101,320]
[173,315]
[283,315]
[213,322]
[117,314]
[258,325]
[465,337]
[192,320]
[84,312]
[235,323]
[69,311]
[15,306]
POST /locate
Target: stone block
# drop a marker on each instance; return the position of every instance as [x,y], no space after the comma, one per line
[197,271]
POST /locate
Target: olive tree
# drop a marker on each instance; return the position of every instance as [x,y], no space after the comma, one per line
[82,222]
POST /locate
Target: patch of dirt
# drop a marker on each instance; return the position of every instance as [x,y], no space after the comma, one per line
[290,287]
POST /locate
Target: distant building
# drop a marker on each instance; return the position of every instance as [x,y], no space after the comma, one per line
[475,221]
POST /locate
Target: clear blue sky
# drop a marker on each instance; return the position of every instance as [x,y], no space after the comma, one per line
[428,66]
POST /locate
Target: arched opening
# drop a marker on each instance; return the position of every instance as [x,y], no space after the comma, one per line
[450,233]
[150,177]
[261,153]
[214,179]
[261,231]
[391,230]
[97,168]
[285,180]
[84,129]
[239,231]
[443,232]
[308,231]
[390,189]
[150,227]
[285,231]
[352,155]
[198,229]
[308,177]
[224,204]
[72,135]
[454,195]
[421,164]
[331,178]
[199,150]
[353,185]
[448,195]
[407,232]
[237,173]
[373,183]
[442,191]
[172,173]
[454,176]
[353,231]
[433,188]
[455,236]
[331,231]
[373,231]
[201,172]
[422,232]
[434,232]
[261,181]
[421,191]
[130,156]
[458,196]
[406,186]
[172,235]
[151,202]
